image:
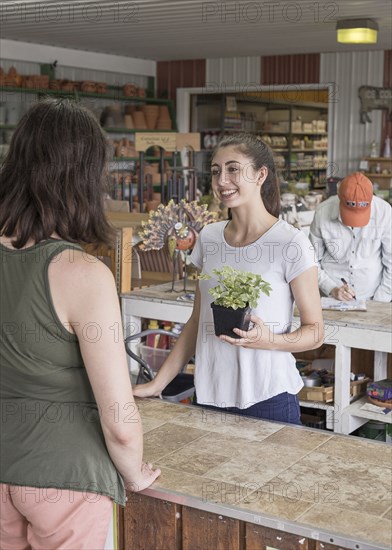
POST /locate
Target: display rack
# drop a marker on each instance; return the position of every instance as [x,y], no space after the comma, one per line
[301,146]
[137,173]
[379,171]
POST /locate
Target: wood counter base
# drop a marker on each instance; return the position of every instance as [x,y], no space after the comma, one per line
[152,524]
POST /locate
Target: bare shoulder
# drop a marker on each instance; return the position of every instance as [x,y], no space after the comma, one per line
[81,273]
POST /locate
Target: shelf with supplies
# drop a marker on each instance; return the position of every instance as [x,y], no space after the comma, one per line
[131,131]
[379,171]
[150,161]
[113,93]
[294,130]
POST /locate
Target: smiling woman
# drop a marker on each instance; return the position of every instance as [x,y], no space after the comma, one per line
[253,374]
[251,158]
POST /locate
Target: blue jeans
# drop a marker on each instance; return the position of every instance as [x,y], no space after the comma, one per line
[283,407]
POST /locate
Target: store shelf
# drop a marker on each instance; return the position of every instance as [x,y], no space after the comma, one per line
[276,133]
[299,150]
[134,131]
[375,176]
[111,96]
[379,159]
[317,405]
[355,410]
[306,169]
[280,116]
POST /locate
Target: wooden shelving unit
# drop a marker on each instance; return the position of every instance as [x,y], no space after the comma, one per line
[381,181]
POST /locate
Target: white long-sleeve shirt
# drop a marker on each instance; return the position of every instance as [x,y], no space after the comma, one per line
[361,255]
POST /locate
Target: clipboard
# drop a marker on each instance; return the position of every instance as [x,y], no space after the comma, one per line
[338,305]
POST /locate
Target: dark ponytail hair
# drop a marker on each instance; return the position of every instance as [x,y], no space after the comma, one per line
[261,155]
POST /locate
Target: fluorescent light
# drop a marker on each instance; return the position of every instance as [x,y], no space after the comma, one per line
[357,31]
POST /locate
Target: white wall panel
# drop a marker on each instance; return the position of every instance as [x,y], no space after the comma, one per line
[41,53]
[241,72]
[351,139]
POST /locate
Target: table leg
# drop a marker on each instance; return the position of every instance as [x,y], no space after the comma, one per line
[342,385]
[132,325]
[380,365]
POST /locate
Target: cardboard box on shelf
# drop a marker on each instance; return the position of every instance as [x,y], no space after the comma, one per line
[325,393]
[319,125]
[283,126]
[296,126]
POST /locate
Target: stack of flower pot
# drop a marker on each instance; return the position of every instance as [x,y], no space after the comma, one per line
[151,113]
[139,120]
[164,120]
[125,148]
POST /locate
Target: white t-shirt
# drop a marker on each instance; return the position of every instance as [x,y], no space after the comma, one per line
[232,376]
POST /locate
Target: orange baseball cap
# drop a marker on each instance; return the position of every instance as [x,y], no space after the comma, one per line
[355,195]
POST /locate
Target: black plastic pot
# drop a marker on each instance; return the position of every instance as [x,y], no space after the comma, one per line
[227,318]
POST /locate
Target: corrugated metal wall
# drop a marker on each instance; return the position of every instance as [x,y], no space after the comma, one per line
[171,75]
[347,72]
[241,72]
[386,120]
[290,69]
[23,67]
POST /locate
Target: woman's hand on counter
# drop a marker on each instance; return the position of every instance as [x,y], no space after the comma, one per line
[147,476]
[149,389]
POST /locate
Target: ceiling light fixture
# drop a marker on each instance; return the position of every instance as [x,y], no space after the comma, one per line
[357,31]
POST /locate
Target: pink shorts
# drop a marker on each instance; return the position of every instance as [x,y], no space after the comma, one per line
[44,519]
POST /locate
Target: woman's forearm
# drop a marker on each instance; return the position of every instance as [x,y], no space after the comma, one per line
[306,337]
[125,446]
[179,356]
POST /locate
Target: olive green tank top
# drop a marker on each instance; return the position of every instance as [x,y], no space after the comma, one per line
[50,430]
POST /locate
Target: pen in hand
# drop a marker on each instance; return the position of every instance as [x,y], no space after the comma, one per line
[346,283]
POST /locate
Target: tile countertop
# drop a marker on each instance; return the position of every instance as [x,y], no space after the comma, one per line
[295,479]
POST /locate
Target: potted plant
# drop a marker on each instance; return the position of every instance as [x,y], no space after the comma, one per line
[235,294]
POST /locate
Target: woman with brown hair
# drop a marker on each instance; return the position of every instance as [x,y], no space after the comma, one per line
[71,435]
[254,374]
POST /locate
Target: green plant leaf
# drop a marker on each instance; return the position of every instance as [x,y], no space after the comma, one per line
[236,288]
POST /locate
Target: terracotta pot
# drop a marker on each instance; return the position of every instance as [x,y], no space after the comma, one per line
[101,87]
[55,85]
[129,90]
[139,120]
[88,86]
[164,110]
[156,179]
[152,205]
[44,81]
[130,109]
[128,122]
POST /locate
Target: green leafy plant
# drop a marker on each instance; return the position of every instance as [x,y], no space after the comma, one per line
[236,288]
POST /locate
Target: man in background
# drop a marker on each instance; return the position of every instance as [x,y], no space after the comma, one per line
[352,236]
